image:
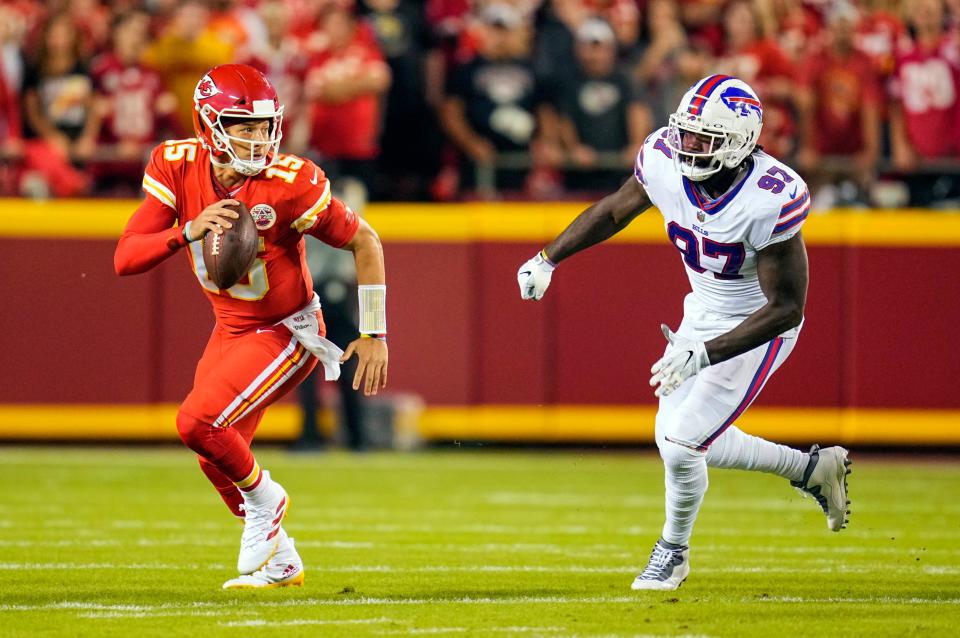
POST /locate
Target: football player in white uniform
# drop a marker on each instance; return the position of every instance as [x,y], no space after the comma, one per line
[734,213]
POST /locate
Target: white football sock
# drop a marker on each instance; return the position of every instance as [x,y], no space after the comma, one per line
[741,451]
[262,493]
[686,483]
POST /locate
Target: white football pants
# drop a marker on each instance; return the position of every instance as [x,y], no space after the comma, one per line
[694,429]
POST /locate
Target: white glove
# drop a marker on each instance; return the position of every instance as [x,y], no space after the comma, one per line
[683,359]
[534,277]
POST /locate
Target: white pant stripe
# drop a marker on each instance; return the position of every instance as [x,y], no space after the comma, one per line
[289,373]
[270,369]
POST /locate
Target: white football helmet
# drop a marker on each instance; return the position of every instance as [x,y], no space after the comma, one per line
[725,110]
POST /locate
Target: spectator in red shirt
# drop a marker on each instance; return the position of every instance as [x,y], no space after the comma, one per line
[926,90]
[840,114]
[131,100]
[880,34]
[797,26]
[926,107]
[764,66]
[343,85]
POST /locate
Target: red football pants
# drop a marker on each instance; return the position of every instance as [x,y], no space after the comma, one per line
[237,377]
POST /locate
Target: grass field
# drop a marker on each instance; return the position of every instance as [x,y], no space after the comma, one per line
[133,542]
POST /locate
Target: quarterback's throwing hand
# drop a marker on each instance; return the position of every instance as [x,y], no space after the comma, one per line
[534,277]
[683,359]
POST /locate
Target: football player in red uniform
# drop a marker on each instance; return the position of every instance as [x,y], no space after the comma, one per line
[269,330]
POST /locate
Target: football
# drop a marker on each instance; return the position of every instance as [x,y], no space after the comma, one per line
[230,255]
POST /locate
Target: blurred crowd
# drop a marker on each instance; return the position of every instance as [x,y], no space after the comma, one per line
[445,99]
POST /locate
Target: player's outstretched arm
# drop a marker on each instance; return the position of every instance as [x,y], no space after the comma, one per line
[597,223]
[371,347]
[601,221]
[782,271]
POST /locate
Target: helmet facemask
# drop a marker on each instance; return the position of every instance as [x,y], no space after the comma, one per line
[259,155]
[727,148]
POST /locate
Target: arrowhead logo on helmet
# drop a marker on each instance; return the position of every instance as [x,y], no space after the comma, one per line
[205,88]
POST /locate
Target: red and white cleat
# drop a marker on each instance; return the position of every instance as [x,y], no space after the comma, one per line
[264,510]
[284,569]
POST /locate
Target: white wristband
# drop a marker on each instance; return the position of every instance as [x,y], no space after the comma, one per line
[373,309]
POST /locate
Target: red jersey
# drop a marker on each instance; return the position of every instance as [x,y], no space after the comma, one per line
[347,130]
[927,85]
[841,86]
[287,200]
[879,35]
[131,92]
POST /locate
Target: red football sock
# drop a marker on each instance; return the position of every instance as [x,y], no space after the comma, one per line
[228,491]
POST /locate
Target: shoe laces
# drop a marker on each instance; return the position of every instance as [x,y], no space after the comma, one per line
[660,558]
[257,523]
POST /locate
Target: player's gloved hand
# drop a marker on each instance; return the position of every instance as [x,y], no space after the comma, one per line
[534,277]
[683,359]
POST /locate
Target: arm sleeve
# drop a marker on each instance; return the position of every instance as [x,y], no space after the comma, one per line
[149,238]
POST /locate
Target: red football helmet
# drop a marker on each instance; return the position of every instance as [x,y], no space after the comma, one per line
[241,92]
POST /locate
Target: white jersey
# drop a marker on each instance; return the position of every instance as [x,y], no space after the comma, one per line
[719,239]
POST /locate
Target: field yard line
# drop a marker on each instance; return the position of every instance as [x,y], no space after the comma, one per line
[872,600]
[316,602]
[420,631]
[488,569]
[607,550]
[259,622]
[131,566]
[594,501]
[190,613]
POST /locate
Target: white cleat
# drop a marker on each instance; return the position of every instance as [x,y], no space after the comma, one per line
[825,480]
[261,527]
[284,569]
[667,569]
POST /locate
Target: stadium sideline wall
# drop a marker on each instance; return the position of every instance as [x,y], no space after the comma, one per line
[89,355]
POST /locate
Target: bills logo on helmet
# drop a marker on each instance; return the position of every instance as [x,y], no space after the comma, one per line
[205,88]
[741,102]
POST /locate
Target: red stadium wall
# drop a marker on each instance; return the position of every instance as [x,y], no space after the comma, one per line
[877,359]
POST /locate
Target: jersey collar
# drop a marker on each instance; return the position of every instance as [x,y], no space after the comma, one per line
[700,200]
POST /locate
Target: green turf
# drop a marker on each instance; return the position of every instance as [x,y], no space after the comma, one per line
[133,542]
